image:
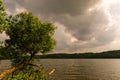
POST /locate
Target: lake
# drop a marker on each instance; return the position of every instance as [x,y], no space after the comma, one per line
[79,69]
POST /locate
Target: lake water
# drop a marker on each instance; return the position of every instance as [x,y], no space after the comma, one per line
[79,69]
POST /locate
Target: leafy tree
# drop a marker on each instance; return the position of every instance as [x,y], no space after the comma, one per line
[27,37]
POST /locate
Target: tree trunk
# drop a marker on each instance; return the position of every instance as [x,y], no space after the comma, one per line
[13,69]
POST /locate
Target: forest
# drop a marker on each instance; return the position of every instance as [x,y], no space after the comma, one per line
[106,54]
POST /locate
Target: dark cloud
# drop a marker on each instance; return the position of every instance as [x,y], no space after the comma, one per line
[84,27]
[83,20]
[53,7]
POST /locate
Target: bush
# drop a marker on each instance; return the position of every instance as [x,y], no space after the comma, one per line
[32,75]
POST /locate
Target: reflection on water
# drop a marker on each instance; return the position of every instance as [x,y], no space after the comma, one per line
[81,69]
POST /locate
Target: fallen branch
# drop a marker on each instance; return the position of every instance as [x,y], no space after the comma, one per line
[13,69]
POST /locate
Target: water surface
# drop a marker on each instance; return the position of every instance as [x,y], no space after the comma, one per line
[79,69]
[84,69]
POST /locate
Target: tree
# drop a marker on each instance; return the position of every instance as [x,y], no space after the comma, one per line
[27,37]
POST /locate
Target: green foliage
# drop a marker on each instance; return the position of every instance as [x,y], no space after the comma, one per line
[2,17]
[3,53]
[33,75]
[28,35]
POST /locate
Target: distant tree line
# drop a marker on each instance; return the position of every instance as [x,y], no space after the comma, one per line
[107,54]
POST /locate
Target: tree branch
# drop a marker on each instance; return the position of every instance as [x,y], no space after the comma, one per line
[13,69]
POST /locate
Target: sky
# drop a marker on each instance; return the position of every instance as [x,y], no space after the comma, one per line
[82,25]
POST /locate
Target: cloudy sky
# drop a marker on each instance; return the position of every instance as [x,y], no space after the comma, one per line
[82,25]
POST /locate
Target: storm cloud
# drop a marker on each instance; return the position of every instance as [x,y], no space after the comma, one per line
[82,24]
